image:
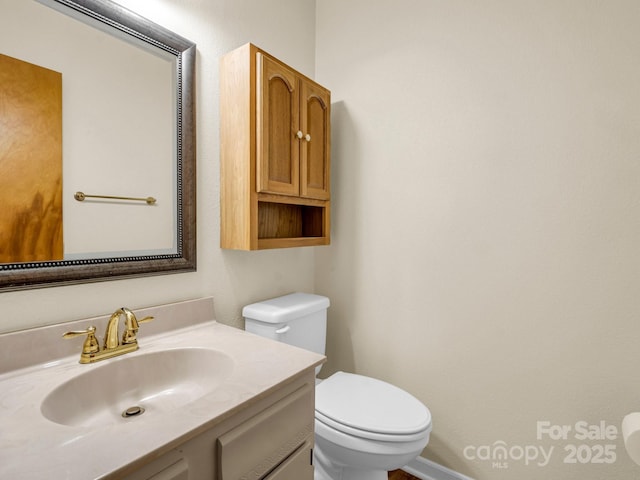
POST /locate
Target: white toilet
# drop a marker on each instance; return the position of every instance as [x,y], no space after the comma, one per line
[363,427]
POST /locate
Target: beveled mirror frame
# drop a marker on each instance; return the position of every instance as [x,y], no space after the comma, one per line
[17,276]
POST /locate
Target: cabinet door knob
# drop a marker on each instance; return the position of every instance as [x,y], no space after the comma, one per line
[299,134]
[307,137]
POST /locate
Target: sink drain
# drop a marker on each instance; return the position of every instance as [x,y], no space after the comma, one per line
[133,412]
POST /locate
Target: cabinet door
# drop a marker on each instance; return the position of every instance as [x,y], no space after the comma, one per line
[256,447]
[315,114]
[297,467]
[277,149]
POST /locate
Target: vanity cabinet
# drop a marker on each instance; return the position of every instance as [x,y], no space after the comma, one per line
[275,135]
[270,440]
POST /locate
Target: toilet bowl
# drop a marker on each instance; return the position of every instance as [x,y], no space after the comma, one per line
[364,427]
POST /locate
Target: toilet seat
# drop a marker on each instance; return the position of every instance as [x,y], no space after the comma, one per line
[369,408]
[368,435]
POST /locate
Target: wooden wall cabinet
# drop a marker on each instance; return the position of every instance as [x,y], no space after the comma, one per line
[275,142]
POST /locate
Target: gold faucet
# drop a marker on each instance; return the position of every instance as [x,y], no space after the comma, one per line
[113,346]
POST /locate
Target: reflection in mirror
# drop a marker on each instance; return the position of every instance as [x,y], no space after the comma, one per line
[127,133]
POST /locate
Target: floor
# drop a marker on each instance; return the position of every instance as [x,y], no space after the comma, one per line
[401,475]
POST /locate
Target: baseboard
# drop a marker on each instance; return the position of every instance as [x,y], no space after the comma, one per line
[427,470]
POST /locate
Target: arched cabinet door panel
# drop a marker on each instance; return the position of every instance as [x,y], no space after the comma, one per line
[315,117]
[278,149]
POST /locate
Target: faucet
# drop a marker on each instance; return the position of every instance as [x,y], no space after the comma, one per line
[113,346]
[111,336]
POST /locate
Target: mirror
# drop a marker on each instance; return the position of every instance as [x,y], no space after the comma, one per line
[130,136]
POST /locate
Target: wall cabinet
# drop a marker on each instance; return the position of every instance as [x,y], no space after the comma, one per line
[270,440]
[275,137]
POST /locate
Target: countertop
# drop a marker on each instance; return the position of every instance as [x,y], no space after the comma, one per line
[33,447]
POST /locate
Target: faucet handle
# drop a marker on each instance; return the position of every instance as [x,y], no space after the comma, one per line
[90,345]
[131,329]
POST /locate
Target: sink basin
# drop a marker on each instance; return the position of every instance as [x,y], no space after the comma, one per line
[158,382]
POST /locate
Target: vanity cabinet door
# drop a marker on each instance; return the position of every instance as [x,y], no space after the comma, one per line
[297,466]
[273,439]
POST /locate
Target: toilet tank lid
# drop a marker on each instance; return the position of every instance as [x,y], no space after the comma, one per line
[285,308]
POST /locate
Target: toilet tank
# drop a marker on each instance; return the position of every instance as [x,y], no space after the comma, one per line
[299,319]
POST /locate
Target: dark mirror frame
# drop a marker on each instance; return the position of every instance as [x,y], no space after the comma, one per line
[17,276]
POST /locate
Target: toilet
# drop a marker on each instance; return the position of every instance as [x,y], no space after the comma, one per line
[364,427]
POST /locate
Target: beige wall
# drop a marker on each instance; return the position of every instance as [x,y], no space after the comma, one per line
[233,278]
[486,237]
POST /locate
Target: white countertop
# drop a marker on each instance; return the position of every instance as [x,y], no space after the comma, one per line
[32,447]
